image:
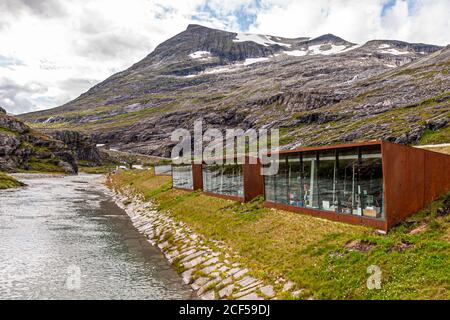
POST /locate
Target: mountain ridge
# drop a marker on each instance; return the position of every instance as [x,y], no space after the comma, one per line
[242,80]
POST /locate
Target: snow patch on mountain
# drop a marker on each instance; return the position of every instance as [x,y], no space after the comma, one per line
[229,68]
[326,49]
[250,61]
[393,51]
[296,53]
[200,54]
[259,39]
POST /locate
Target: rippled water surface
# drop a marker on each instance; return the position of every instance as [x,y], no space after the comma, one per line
[64,238]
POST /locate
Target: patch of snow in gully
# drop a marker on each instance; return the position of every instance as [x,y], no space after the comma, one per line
[259,39]
[200,54]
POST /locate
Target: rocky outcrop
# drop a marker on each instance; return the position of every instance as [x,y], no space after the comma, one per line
[25,149]
[81,144]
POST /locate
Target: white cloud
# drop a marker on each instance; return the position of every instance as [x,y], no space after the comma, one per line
[357,21]
[64,47]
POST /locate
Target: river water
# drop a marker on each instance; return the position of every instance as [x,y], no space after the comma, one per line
[64,238]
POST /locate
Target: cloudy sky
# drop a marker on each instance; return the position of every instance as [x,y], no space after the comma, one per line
[51,51]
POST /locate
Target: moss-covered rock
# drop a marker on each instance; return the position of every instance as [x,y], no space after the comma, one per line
[8,182]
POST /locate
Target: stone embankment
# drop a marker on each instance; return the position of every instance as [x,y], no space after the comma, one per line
[209,267]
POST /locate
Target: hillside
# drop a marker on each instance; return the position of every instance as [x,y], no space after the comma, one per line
[317,91]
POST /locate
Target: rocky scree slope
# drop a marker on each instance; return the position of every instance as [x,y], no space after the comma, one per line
[316,91]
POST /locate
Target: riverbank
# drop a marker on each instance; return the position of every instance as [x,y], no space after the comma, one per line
[316,258]
[208,266]
[63,237]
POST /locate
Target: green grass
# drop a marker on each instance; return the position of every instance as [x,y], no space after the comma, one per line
[311,251]
[96,170]
[435,137]
[8,132]
[43,165]
[8,182]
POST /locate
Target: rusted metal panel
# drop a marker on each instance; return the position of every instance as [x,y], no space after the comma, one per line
[437,175]
[253,180]
[335,146]
[197,176]
[413,178]
[345,218]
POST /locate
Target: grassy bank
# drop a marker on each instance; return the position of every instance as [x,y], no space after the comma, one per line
[8,182]
[96,170]
[328,259]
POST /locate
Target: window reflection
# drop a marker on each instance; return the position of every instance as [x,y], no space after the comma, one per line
[225,180]
[344,181]
[182,176]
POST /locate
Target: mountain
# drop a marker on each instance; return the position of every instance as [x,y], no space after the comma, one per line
[316,90]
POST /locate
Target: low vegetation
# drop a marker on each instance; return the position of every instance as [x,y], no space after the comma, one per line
[8,182]
[96,170]
[325,259]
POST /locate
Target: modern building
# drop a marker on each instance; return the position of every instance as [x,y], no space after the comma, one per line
[375,183]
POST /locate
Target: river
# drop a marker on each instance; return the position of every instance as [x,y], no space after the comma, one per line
[64,238]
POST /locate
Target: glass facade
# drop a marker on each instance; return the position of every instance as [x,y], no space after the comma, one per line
[163,170]
[224,179]
[343,181]
[182,177]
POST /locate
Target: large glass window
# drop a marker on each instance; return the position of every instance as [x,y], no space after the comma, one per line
[295,181]
[327,180]
[163,170]
[182,176]
[371,182]
[310,186]
[347,181]
[281,185]
[226,179]
[344,181]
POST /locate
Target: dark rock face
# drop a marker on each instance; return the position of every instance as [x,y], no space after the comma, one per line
[324,90]
[81,144]
[2,110]
[22,148]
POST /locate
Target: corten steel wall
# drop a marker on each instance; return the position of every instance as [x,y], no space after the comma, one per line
[413,178]
[197,176]
[253,180]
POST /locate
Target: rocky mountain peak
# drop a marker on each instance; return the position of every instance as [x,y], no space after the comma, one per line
[329,38]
